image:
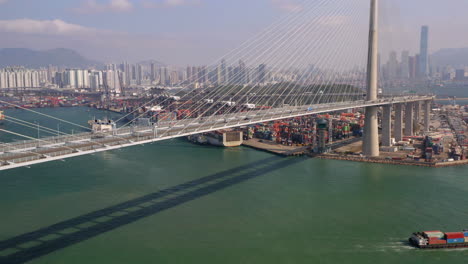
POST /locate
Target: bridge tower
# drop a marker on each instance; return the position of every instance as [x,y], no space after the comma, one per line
[370,147]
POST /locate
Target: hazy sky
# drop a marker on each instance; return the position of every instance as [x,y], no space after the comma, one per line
[199,31]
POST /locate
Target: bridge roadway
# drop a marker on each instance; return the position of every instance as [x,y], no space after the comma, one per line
[29,152]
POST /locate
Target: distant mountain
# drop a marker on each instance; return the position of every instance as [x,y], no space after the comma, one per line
[454,57]
[36,59]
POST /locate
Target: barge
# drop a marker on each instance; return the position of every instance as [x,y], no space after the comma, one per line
[439,239]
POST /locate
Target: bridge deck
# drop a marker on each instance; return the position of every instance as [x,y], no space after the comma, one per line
[31,152]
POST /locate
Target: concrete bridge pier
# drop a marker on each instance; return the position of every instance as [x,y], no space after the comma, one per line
[387,126]
[409,121]
[370,147]
[427,116]
[398,122]
[417,118]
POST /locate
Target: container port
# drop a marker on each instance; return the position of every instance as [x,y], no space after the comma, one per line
[338,136]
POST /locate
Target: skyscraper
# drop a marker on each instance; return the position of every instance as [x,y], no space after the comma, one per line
[139,75]
[262,73]
[224,73]
[392,66]
[423,54]
[163,76]
[153,73]
[242,72]
[413,70]
[405,67]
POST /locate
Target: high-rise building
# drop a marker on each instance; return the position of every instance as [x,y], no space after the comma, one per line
[405,67]
[79,78]
[133,72]
[27,77]
[153,72]
[163,78]
[242,72]
[460,75]
[194,77]
[174,78]
[139,76]
[127,73]
[412,67]
[3,80]
[189,74]
[202,75]
[219,75]
[95,80]
[224,72]
[262,73]
[392,66]
[424,53]
[11,80]
[19,79]
[70,78]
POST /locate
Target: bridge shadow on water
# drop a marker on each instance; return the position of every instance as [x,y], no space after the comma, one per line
[29,246]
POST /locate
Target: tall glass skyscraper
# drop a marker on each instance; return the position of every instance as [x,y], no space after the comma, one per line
[423,53]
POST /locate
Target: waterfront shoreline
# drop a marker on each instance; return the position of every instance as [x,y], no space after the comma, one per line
[393,162]
[288,151]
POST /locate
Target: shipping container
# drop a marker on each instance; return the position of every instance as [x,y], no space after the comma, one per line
[435,241]
[434,234]
[455,240]
[454,235]
[465,233]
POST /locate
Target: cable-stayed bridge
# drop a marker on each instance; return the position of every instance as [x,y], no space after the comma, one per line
[33,151]
[321,31]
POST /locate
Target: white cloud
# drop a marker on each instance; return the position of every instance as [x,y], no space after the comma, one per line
[170,3]
[92,6]
[287,5]
[47,27]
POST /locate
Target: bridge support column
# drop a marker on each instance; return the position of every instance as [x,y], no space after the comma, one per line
[427,116]
[417,117]
[398,122]
[409,115]
[417,111]
[387,126]
[370,144]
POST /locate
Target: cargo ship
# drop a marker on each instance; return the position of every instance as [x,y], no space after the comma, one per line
[439,239]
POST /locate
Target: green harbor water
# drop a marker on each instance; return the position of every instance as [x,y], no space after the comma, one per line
[252,207]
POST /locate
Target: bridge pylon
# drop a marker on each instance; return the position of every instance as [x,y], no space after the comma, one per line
[370,147]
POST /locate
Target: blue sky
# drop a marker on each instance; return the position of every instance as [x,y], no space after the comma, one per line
[198,31]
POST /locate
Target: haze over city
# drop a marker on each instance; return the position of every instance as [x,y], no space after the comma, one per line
[184,32]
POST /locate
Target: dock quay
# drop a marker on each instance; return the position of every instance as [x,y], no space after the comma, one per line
[278,149]
[392,162]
